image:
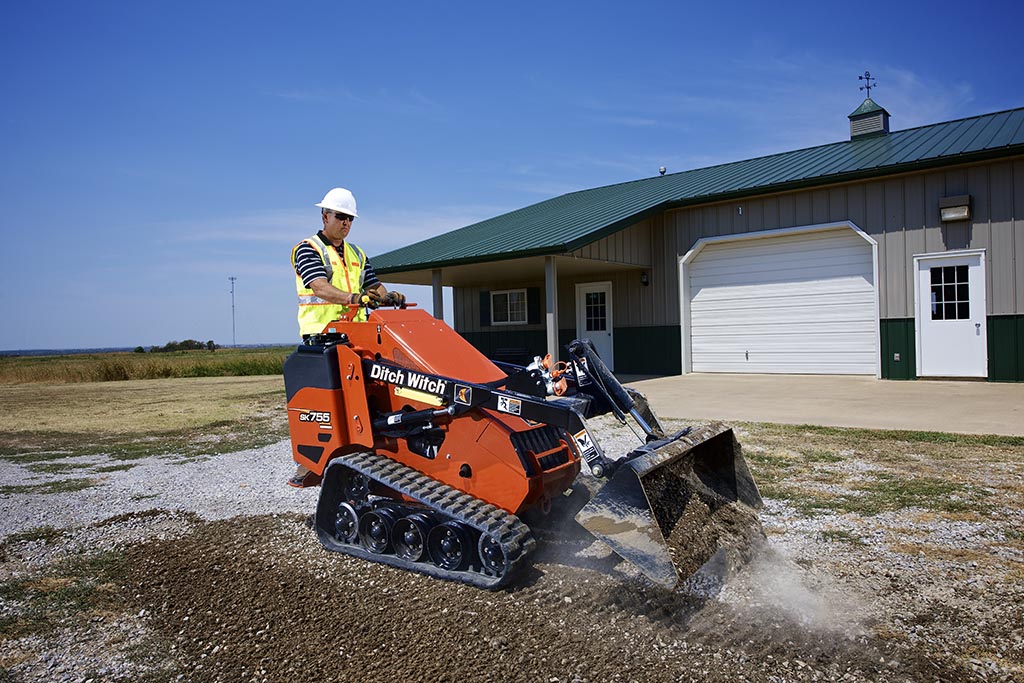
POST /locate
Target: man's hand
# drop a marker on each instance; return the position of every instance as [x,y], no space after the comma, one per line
[374,296]
[396,299]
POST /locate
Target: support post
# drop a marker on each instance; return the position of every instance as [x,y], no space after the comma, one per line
[551,298]
[438,292]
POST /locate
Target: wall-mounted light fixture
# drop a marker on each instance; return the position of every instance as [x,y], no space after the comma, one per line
[644,280]
[956,208]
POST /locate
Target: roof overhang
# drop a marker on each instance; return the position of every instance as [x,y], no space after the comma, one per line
[516,270]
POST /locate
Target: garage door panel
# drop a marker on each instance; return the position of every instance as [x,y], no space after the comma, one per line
[841,365]
[783,243]
[823,341]
[768,327]
[792,304]
[843,291]
[803,259]
[773,308]
[771,248]
[774,274]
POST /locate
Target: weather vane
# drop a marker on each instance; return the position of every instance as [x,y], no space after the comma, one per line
[867,82]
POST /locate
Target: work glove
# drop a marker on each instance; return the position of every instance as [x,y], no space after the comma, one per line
[372,297]
[396,299]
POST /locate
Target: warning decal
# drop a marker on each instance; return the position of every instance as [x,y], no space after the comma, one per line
[510,405]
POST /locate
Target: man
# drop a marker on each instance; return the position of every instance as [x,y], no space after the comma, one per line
[331,274]
[331,277]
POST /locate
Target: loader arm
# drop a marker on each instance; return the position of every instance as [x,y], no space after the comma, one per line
[461,397]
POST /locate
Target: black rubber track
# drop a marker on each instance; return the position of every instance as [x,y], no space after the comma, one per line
[447,503]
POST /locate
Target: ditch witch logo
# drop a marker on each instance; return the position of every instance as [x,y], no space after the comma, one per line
[408,378]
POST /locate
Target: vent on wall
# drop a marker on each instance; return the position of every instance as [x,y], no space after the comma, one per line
[868,119]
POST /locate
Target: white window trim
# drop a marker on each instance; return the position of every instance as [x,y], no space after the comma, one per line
[526,312]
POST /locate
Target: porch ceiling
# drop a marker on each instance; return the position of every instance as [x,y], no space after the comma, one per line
[511,271]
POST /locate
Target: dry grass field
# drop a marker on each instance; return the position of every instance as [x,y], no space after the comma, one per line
[139,418]
[106,367]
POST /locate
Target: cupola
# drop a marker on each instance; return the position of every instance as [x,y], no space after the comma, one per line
[868,119]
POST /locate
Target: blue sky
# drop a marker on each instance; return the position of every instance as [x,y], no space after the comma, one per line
[148,150]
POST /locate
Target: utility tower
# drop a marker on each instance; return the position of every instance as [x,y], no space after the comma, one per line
[233,278]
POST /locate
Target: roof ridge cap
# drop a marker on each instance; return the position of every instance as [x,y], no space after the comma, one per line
[792,151]
[962,118]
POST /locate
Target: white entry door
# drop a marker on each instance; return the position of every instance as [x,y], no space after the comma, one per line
[594,318]
[951,335]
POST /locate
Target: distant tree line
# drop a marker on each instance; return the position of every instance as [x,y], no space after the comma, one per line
[187,345]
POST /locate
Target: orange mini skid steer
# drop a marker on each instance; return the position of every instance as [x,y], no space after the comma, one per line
[428,452]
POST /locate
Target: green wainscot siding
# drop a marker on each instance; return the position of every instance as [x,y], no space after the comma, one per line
[899,348]
[1006,348]
[509,346]
[638,350]
[648,350]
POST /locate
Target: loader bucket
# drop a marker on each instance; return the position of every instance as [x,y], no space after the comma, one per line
[675,503]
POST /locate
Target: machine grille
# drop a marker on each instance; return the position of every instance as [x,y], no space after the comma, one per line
[540,441]
[553,460]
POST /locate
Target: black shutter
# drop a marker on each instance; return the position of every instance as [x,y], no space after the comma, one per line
[485,309]
[533,312]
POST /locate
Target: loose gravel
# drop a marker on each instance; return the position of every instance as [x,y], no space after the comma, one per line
[216,575]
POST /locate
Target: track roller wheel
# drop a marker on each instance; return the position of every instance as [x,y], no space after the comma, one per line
[409,536]
[375,529]
[492,556]
[346,523]
[450,546]
[355,487]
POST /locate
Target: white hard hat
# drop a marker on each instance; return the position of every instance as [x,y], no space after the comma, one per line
[341,200]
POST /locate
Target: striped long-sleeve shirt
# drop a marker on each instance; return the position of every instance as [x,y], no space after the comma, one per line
[309,266]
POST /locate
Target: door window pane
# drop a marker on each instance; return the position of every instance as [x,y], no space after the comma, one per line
[595,313]
[950,295]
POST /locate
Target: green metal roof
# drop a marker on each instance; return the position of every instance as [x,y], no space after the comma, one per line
[563,224]
[868,106]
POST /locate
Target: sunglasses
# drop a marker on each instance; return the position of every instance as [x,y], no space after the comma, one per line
[342,216]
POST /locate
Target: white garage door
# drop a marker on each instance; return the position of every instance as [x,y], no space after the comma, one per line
[792,303]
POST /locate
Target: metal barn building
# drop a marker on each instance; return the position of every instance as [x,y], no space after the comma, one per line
[894,254]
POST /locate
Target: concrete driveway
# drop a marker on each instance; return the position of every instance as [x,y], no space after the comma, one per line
[841,401]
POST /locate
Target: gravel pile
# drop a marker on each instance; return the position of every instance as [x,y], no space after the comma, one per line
[222,579]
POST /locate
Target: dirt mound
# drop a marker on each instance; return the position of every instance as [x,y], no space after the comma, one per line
[257,599]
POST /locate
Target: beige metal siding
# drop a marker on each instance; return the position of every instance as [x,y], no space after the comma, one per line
[934,189]
[630,246]
[915,238]
[1017,212]
[1001,256]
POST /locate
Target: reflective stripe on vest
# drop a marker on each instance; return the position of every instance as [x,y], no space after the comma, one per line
[345,274]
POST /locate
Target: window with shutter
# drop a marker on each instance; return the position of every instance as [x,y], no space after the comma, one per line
[508,307]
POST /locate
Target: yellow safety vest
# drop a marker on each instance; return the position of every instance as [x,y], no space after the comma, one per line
[346,275]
